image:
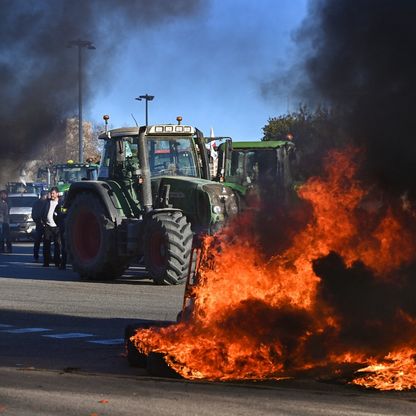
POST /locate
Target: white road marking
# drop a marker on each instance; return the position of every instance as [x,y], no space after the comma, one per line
[69,335]
[114,341]
[25,330]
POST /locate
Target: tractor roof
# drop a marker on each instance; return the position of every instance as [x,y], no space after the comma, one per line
[269,144]
[157,129]
[123,131]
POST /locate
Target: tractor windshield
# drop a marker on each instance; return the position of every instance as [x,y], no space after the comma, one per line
[72,174]
[172,156]
[249,166]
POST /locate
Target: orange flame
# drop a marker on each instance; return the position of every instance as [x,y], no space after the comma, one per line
[256,318]
[395,372]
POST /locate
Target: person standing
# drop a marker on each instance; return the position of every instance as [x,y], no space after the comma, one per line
[51,234]
[37,212]
[61,226]
[4,223]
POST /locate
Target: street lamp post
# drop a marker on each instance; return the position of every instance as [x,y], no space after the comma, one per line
[88,45]
[148,98]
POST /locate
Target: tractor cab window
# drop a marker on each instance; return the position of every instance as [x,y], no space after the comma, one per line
[119,157]
[172,156]
[132,160]
[266,162]
[243,168]
[237,165]
[71,174]
[105,160]
[250,166]
[92,174]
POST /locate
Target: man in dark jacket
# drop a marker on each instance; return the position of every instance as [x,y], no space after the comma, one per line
[61,225]
[51,219]
[37,212]
[4,223]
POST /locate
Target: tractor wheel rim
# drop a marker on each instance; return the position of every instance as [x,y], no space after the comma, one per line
[87,235]
[158,250]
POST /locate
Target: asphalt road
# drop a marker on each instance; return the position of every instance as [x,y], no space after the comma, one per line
[61,353]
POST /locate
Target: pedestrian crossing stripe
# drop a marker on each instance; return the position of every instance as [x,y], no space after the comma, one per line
[114,341]
[70,335]
[25,330]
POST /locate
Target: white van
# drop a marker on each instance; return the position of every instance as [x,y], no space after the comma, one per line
[22,225]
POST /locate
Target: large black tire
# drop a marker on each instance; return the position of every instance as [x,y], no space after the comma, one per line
[157,367]
[167,247]
[134,357]
[90,237]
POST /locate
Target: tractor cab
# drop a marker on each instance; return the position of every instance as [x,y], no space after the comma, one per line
[173,170]
[70,172]
[62,175]
[263,166]
[172,150]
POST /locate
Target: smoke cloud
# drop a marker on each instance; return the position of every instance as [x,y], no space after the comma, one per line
[358,58]
[38,74]
[372,312]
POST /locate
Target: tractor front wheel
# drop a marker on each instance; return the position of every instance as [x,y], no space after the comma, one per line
[167,247]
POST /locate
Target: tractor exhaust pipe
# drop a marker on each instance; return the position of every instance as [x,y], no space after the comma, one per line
[145,171]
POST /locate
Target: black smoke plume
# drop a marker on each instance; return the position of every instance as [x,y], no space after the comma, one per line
[38,74]
[359,58]
[372,312]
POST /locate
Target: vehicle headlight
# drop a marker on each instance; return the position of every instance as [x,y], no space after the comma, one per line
[216,209]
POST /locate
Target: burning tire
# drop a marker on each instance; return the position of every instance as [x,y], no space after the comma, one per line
[134,357]
[167,247]
[90,239]
[156,366]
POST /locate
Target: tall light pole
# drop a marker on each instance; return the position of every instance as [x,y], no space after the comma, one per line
[148,98]
[88,45]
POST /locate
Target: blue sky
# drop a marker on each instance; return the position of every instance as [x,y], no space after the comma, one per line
[208,68]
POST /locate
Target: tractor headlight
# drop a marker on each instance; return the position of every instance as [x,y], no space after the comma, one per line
[223,200]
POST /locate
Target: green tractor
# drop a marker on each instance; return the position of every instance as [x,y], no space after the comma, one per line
[259,169]
[153,199]
[62,175]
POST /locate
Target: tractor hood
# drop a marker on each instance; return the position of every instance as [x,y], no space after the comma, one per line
[204,202]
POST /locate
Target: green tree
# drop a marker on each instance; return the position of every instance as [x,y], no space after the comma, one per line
[314,133]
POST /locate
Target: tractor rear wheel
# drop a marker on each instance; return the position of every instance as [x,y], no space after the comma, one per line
[167,247]
[90,240]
